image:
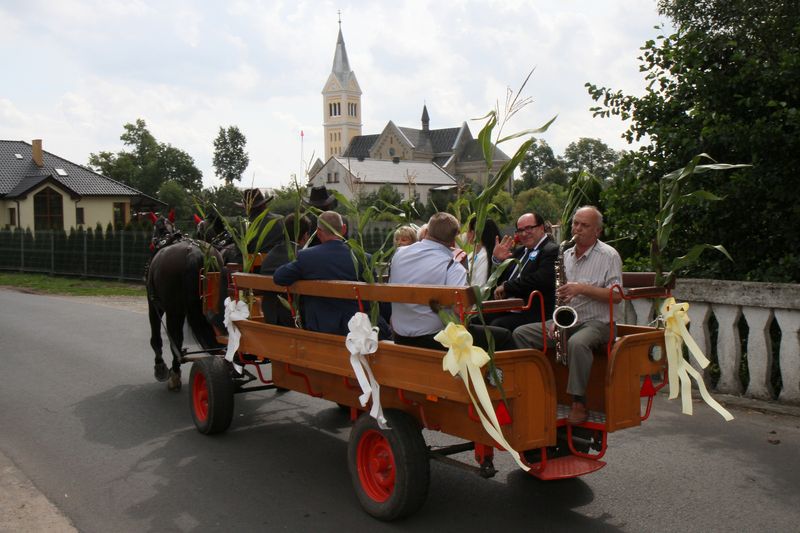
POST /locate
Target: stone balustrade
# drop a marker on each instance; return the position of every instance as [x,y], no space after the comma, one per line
[729,302]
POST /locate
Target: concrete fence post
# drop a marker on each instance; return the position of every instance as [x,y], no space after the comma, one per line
[789,322]
[759,352]
[729,348]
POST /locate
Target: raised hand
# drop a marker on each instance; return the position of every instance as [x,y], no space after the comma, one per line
[503,248]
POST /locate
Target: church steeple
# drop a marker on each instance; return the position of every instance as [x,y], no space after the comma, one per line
[426,121]
[341,102]
[341,65]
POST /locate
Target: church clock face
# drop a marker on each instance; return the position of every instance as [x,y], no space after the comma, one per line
[391,152]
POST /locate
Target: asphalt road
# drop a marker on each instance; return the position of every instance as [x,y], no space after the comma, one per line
[83,419]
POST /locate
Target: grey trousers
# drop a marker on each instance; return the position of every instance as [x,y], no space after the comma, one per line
[581,341]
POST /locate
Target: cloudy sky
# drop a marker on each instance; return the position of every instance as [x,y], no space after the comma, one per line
[77,70]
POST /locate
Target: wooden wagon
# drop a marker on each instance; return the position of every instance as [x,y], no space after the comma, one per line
[390,467]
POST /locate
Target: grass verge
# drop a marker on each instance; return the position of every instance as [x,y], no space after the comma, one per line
[70,286]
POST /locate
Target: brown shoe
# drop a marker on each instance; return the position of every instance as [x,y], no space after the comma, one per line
[578,414]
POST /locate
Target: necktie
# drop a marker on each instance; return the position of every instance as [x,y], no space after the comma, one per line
[521,266]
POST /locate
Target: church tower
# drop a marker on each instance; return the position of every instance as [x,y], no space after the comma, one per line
[341,103]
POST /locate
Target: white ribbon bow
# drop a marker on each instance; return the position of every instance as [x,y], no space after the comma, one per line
[675,335]
[361,341]
[465,360]
[234,310]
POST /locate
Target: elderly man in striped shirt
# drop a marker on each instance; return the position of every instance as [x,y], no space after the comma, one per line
[592,267]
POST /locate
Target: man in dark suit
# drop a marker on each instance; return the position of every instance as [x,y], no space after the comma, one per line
[298,230]
[536,254]
[329,260]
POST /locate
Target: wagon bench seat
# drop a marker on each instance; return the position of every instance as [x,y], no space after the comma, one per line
[412,378]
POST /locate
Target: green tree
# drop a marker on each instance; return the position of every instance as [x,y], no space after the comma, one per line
[230,159]
[505,205]
[538,160]
[726,83]
[147,164]
[224,198]
[589,155]
[537,200]
[176,197]
[177,166]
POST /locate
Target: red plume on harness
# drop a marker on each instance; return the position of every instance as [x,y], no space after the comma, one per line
[171,215]
[152,216]
[197,219]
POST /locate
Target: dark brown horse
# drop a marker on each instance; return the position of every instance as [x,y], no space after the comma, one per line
[173,291]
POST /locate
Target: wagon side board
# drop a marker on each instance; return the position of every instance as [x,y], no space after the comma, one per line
[412,380]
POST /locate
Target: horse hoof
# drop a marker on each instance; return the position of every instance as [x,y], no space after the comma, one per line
[161,372]
[174,381]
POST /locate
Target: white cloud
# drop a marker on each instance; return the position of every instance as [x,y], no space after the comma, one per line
[188,68]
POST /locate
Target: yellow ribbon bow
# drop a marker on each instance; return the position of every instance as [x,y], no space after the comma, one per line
[465,360]
[680,371]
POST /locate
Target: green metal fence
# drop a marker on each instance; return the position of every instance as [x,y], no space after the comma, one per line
[114,254]
[118,255]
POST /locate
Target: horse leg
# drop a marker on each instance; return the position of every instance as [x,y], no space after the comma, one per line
[175,329]
[160,372]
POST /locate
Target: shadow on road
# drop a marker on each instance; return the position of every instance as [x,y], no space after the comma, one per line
[283,464]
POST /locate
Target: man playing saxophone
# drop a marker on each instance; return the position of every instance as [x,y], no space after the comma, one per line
[592,267]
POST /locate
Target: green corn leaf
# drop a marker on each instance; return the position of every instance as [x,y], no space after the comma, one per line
[541,129]
[694,253]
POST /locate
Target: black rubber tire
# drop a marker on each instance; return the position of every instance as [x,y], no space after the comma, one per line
[410,465]
[211,395]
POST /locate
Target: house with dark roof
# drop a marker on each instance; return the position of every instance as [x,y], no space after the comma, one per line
[454,150]
[40,190]
[354,178]
[451,152]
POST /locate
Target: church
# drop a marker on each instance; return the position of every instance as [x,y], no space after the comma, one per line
[413,160]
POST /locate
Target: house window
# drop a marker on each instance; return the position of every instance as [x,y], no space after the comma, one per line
[119,215]
[330,177]
[336,177]
[12,216]
[79,215]
[48,210]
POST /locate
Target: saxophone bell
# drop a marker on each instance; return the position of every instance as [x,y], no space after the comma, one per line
[564,316]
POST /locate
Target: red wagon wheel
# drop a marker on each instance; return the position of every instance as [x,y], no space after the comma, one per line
[389,468]
[211,400]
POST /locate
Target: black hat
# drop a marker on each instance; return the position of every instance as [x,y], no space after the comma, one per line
[253,199]
[321,199]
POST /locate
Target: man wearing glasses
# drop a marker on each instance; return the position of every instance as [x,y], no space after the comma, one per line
[592,267]
[535,271]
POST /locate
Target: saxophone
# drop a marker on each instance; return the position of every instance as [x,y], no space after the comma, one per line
[564,316]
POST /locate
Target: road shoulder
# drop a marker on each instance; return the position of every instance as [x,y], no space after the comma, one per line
[23,507]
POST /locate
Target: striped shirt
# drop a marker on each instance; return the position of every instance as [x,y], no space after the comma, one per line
[599,266]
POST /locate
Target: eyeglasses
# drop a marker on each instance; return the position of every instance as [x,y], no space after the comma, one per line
[527,228]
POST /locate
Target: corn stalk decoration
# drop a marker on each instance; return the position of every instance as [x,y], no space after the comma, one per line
[671,200]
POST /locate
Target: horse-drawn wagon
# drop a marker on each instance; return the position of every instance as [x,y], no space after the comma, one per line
[390,466]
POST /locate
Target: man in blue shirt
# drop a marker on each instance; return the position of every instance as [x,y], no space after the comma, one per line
[430,262]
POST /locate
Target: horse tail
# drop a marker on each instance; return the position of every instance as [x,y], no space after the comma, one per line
[198,324]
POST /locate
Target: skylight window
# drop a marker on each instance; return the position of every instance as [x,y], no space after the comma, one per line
[61,172]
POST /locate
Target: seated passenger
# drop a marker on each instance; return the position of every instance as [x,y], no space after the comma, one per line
[478,260]
[430,262]
[276,312]
[536,254]
[329,260]
[592,268]
[404,235]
